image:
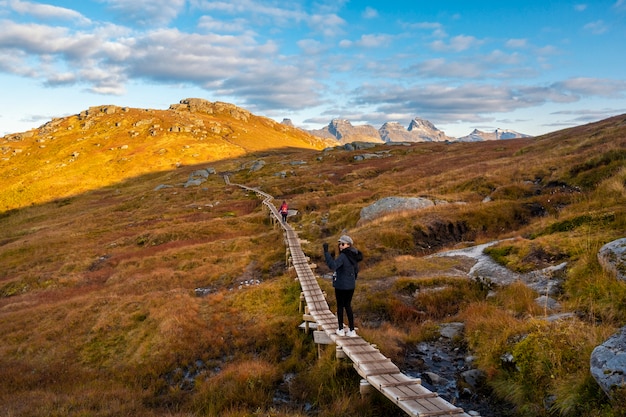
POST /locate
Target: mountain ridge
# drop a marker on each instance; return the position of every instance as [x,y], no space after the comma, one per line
[419,130]
[133,141]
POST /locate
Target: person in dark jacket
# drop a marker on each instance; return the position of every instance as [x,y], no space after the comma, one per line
[346,267]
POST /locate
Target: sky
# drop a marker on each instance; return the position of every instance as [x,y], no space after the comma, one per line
[533,66]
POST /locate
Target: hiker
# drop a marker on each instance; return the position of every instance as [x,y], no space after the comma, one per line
[284,210]
[346,268]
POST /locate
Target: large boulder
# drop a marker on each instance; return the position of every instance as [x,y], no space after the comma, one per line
[608,362]
[612,257]
[391,204]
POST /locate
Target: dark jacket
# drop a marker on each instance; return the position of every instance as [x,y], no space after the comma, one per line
[346,267]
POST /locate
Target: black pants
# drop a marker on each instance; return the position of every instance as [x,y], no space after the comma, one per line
[284,217]
[344,301]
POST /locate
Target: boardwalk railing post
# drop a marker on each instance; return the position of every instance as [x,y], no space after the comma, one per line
[365,388]
[339,353]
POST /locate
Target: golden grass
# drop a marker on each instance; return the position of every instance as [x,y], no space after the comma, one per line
[97,306]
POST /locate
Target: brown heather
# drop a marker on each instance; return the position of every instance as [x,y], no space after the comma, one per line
[98,313]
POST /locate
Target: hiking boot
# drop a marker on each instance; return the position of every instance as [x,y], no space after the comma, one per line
[351,333]
[340,332]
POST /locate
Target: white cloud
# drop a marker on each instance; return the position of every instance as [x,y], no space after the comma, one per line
[436,28]
[46,11]
[620,5]
[210,24]
[585,86]
[311,47]
[147,12]
[597,28]
[446,103]
[373,41]
[441,68]
[517,43]
[370,13]
[580,7]
[456,44]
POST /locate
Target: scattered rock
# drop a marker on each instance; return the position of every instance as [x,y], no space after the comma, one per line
[608,362]
[162,186]
[451,330]
[545,281]
[475,378]
[612,257]
[547,302]
[257,165]
[391,204]
[199,176]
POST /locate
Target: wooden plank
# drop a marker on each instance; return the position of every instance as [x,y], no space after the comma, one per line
[400,383]
[370,370]
[450,412]
[416,396]
[368,362]
[322,338]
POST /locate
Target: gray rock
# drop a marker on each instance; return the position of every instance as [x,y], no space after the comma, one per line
[202,173]
[391,204]
[547,302]
[608,362]
[365,156]
[435,379]
[451,330]
[257,165]
[474,378]
[162,186]
[194,182]
[560,317]
[546,281]
[198,177]
[612,257]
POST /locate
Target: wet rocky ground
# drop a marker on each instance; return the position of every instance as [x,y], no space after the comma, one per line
[447,369]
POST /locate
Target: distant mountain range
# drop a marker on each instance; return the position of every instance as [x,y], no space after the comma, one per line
[419,130]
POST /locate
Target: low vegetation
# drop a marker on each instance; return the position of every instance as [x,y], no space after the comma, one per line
[122,297]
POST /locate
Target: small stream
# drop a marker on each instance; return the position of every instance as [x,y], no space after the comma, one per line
[447,370]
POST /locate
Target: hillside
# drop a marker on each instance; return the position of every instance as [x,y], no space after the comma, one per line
[107,144]
[101,254]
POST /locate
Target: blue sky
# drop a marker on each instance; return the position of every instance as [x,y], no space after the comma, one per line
[531,66]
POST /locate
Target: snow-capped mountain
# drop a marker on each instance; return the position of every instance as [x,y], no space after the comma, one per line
[498,134]
[419,130]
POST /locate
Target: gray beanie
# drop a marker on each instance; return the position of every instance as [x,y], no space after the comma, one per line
[346,239]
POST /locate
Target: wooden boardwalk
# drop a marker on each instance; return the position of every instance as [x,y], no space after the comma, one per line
[376,369]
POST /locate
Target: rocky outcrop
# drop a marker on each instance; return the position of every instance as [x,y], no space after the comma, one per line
[204,106]
[199,176]
[343,131]
[395,132]
[498,134]
[608,362]
[612,257]
[391,204]
[419,130]
[545,281]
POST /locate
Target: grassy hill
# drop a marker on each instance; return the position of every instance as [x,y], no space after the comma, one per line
[102,248]
[107,144]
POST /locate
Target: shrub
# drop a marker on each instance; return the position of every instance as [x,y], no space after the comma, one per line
[246,385]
